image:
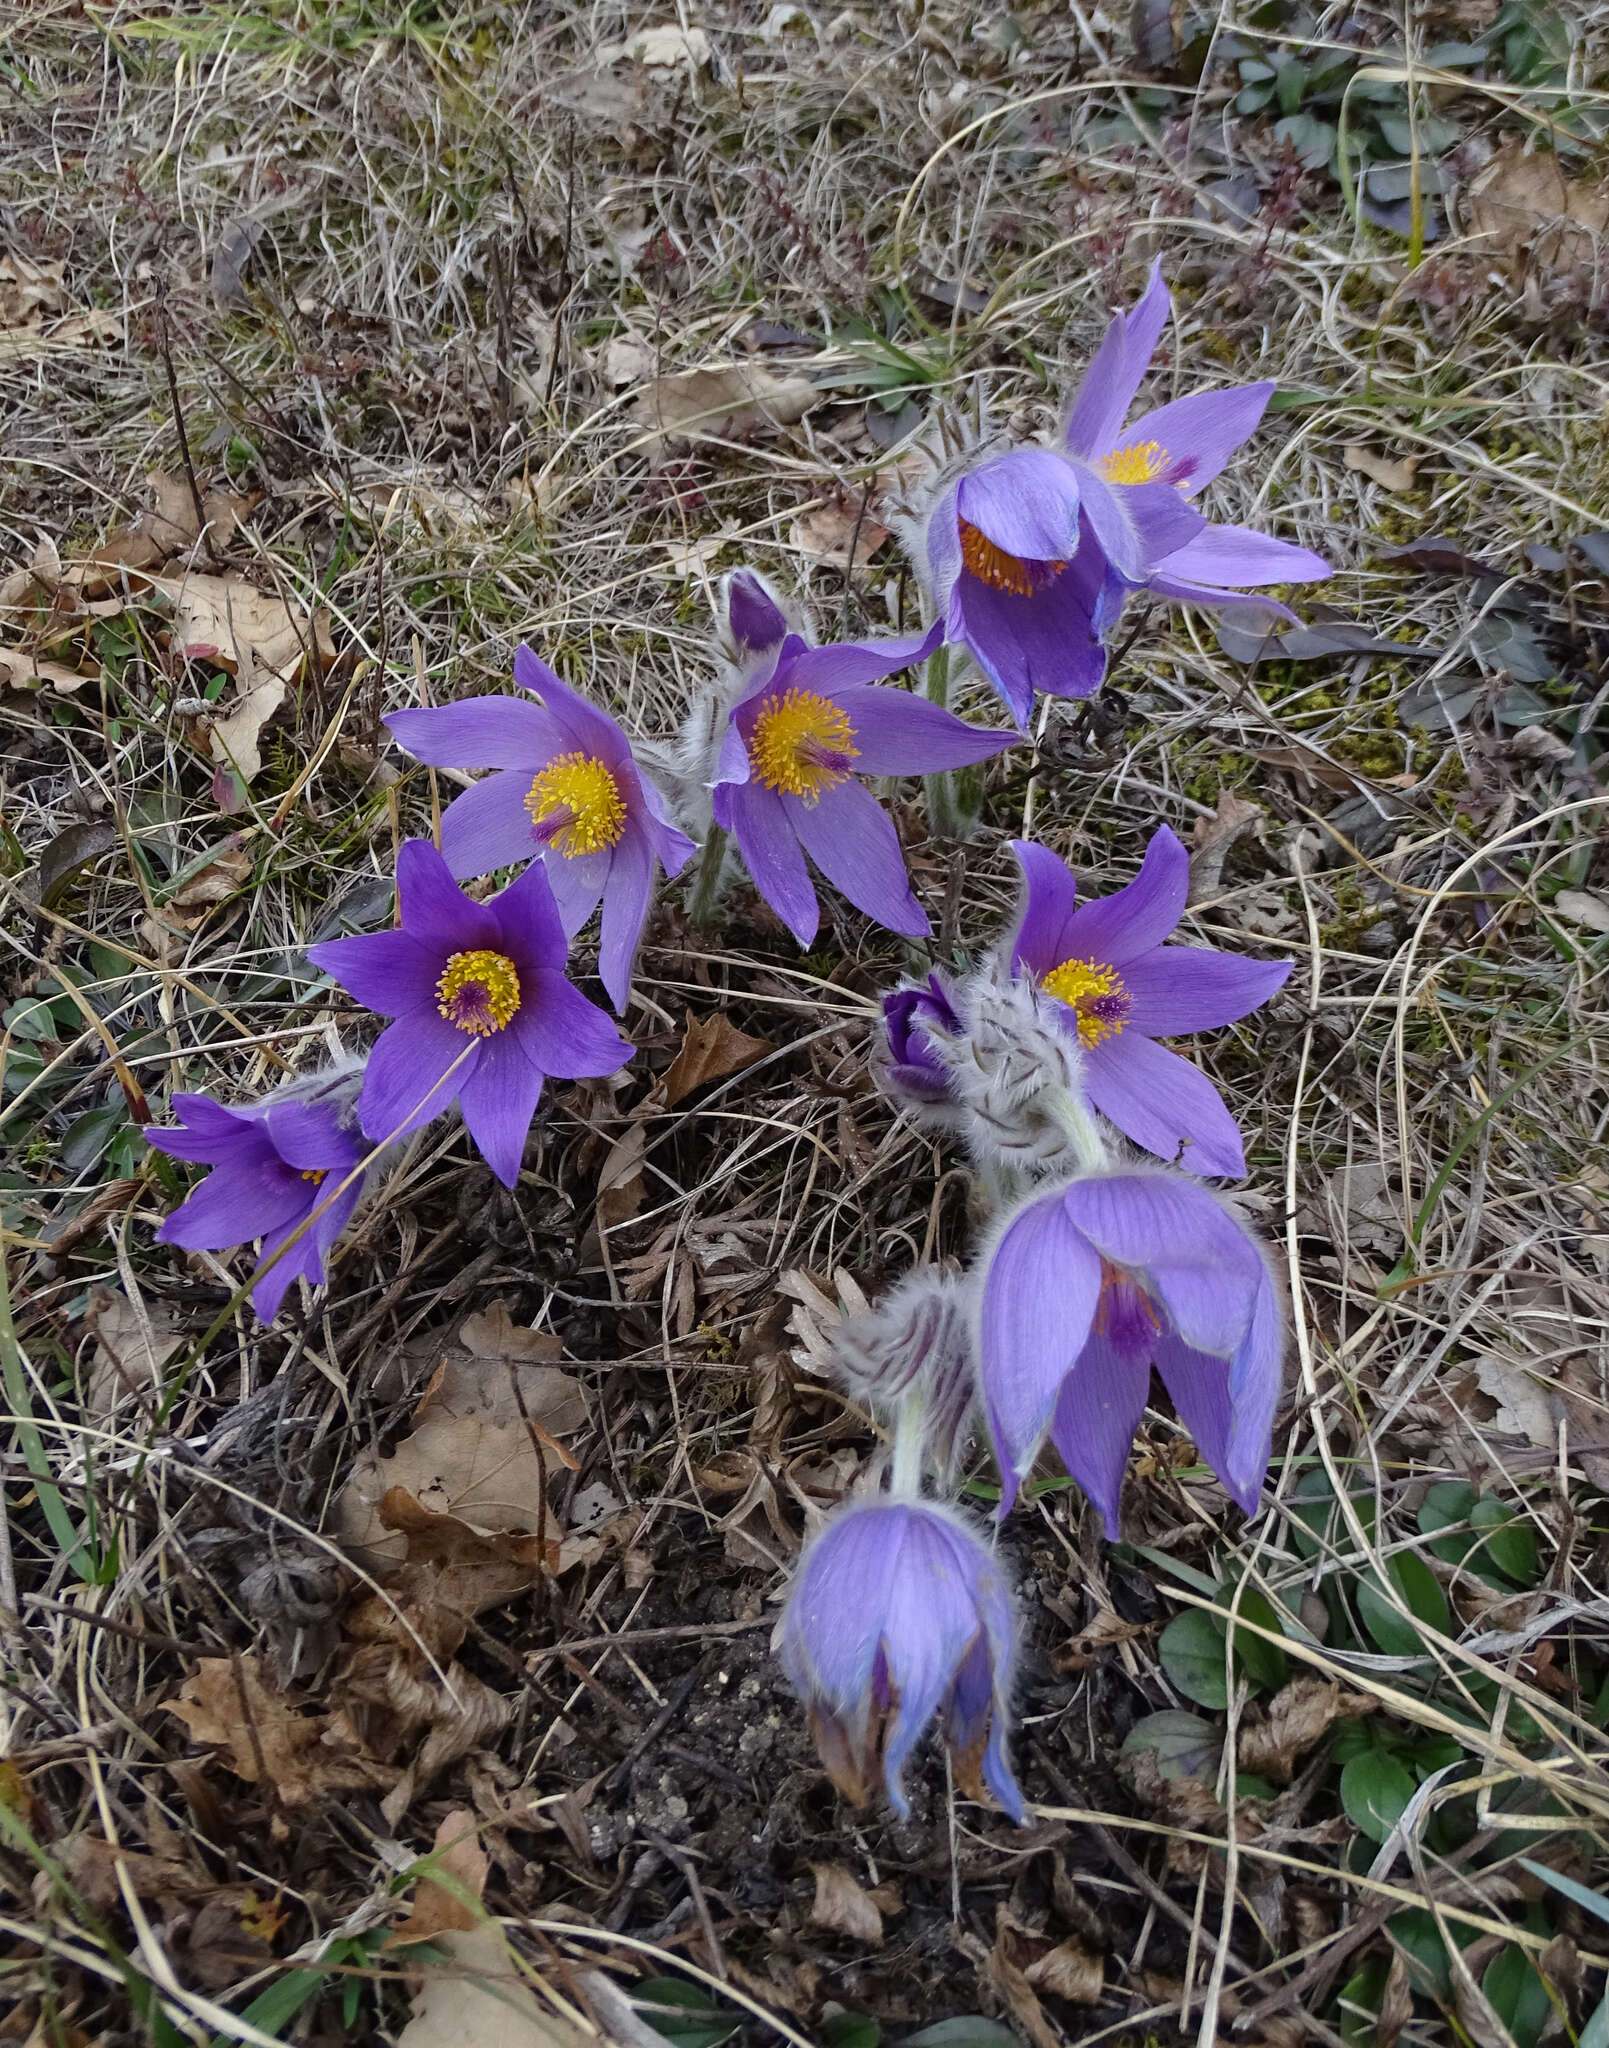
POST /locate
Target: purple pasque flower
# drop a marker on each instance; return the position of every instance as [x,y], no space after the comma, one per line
[482,1007]
[898,1612]
[913,1067]
[1090,1285]
[277,1164]
[1118,989]
[1031,556]
[805,727]
[1180,446]
[565,789]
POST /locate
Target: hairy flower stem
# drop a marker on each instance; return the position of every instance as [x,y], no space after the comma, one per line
[703,899]
[1093,1153]
[905,1474]
[952,795]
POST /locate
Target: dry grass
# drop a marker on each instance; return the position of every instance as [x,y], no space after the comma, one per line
[459,213]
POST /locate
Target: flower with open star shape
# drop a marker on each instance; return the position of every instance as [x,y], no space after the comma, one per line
[805,726]
[483,1010]
[565,789]
[1118,989]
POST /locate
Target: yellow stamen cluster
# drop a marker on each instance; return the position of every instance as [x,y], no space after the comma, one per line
[1141,462]
[579,792]
[479,991]
[316,1174]
[980,557]
[1094,994]
[799,741]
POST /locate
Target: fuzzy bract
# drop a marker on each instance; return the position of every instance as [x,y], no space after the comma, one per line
[807,724]
[898,1614]
[565,788]
[1117,989]
[483,1011]
[276,1164]
[1093,1282]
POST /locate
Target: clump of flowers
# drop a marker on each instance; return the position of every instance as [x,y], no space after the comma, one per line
[1046,1058]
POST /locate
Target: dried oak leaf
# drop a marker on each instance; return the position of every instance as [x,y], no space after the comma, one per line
[450,1887]
[1212,838]
[843,1906]
[711,1049]
[132,1345]
[476,1997]
[724,404]
[269,1737]
[1299,1714]
[1524,205]
[840,533]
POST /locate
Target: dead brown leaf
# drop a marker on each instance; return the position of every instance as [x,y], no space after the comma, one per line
[132,1345]
[20,670]
[1212,838]
[1528,210]
[450,1888]
[267,1737]
[1299,1714]
[166,527]
[28,289]
[840,533]
[620,1177]
[477,1998]
[222,877]
[1069,1971]
[725,404]
[842,1906]
[1391,475]
[486,1432]
[711,1049]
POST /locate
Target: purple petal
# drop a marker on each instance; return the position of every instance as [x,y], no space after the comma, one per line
[1049,898]
[1121,361]
[498,1101]
[1026,503]
[1049,641]
[1111,515]
[1164,1104]
[1039,1300]
[1198,434]
[835,667]
[578,882]
[851,839]
[479,732]
[387,972]
[234,1204]
[1163,518]
[580,724]
[672,846]
[272,1277]
[763,829]
[434,909]
[1118,928]
[941,541]
[210,1134]
[528,927]
[625,906]
[489,827]
[753,616]
[901,734]
[1099,1409]
[733,768]
[1179,989]
[1229,557]
[309,1138]
[562,1033]
[929,1619]
[412,1075]
[1189,1254]
[1254,1387]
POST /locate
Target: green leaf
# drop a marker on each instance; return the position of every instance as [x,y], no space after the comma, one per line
[1589,1902]
[1422,1596]
[1510,1540]
[1263,1662]
[1595,2034]
[692,2021]
[1375,1790]
[1518,1995]
[850,2030]
[1313,141]
[1360,2000]
[1192,1650]
[1185,1745]
[1448,1505]
[1419,1939]
[88,1136]
[971,2030]
[1433,136]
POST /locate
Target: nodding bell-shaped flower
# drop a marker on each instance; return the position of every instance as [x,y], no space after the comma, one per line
[1091,1284]
[899,1613]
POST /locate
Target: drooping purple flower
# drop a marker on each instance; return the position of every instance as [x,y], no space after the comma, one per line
[914,1068]
[1118,989]
[1180,446]
[565,789]
[804,729]
[1091,1285]
[1031,557]
[482,1007]
[276,1164]
[897,1613]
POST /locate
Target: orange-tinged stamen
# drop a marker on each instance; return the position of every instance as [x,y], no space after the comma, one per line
[802,744]
[982,558]
[479,991]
